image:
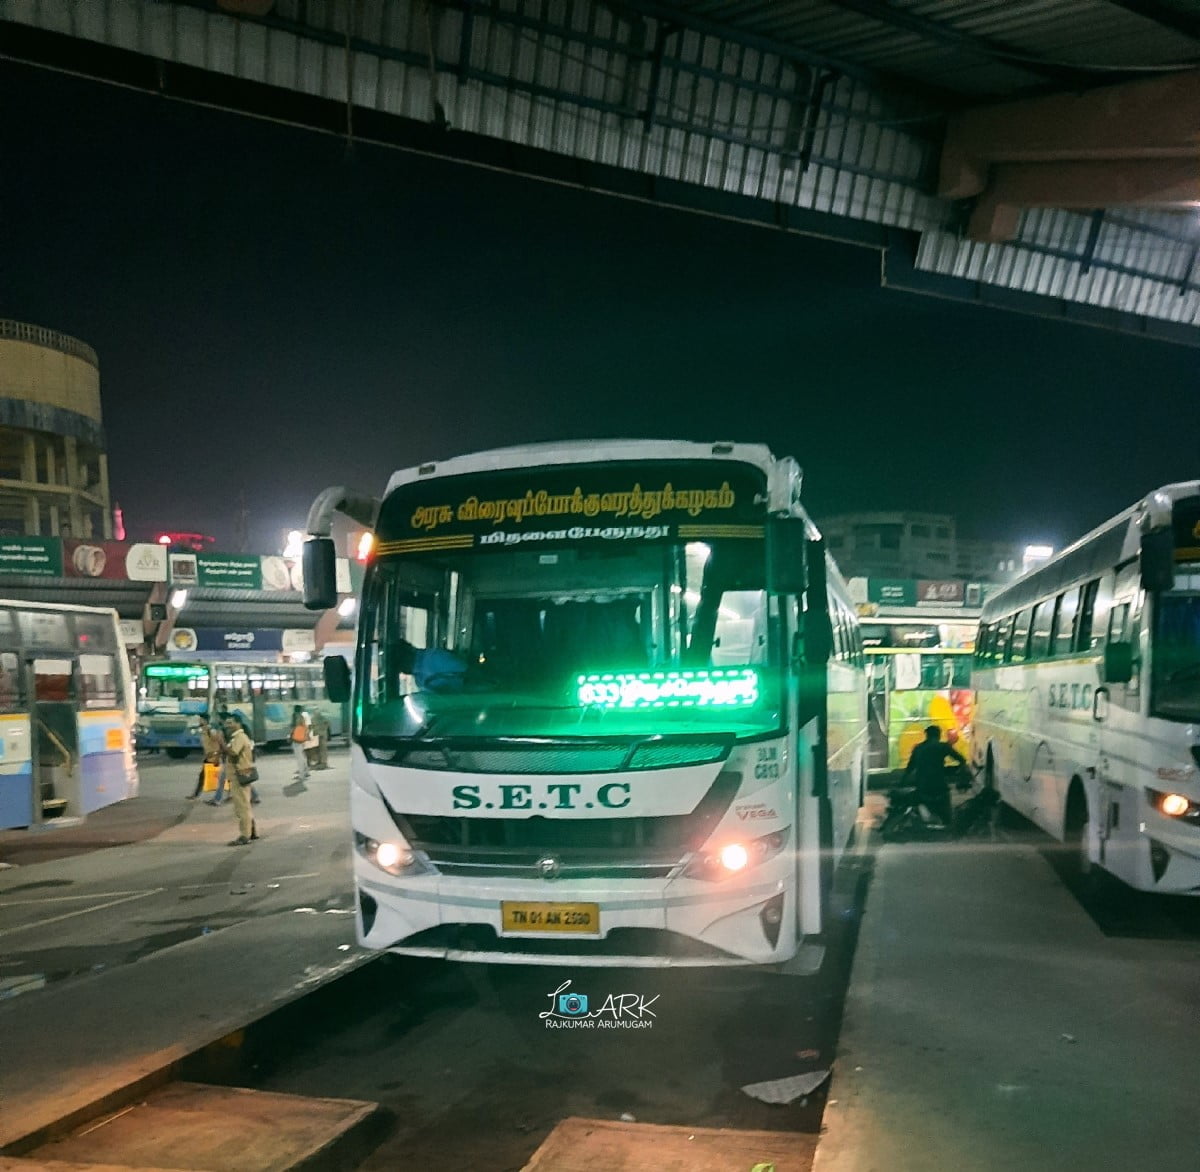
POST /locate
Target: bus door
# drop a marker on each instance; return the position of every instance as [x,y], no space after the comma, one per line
[877,712]
[55,737]
[16,761]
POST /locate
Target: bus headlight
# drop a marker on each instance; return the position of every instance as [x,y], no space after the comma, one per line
[1174,805]
[393,857]
[731,858]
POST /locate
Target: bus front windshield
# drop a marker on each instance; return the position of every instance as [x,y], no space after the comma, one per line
[657,640]
[165,686]
[1176,656]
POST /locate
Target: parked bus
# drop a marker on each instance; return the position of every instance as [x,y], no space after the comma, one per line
[174,694]
[66,710]
[1088,694]
[610,707]
[919,673]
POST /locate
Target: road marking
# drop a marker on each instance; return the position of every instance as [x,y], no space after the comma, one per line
[83,911]
[64,898]
[269,879]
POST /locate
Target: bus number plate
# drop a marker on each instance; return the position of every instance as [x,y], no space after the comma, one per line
[581,918]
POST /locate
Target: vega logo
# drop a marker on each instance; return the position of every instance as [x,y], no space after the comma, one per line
[559,795]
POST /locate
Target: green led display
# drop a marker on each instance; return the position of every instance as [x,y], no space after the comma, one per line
[704,688]
[175,671]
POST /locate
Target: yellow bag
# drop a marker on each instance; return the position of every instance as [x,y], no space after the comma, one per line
[211,773]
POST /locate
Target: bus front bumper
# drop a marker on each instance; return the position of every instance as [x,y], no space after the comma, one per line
[670,923]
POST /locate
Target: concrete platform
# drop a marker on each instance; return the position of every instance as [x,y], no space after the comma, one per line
[991,1023]
[601,1145]
[127,959]
[209,1129]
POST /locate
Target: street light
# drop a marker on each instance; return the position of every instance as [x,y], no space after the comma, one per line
[347,607]
[179,599]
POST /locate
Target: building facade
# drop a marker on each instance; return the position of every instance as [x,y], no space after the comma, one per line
[53,464]
[916,546]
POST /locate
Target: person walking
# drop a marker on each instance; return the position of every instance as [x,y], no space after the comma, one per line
[301,734]
[239,754]
[212,746]
[320,728]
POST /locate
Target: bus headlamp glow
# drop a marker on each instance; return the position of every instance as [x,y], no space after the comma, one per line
[734,857]
[1174,805]
[393,857]
[387,854]
[703,688]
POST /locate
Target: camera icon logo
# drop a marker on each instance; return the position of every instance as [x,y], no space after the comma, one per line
[572,1004]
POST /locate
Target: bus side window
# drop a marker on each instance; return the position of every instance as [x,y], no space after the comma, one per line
[960,671]
[1064,625]
[981,642]
[1043,624]
[1018,645]
[98,681]
[12,698]
[1100,612]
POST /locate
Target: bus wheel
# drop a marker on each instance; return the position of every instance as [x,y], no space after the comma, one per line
[176,753]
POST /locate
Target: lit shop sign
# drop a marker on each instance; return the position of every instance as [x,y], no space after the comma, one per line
[719,687]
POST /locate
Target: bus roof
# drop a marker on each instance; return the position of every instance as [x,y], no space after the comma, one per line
[589,452]
[1109,544]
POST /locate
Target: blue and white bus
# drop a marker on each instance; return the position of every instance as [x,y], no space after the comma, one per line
[1087,677]
[610,707]
[66,711]
[174,694]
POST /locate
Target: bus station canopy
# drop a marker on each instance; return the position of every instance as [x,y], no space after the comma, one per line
[1034,155]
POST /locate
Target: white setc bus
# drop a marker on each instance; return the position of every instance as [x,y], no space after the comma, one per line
[174,694]
[66,712]
[1087,677]
[609,706]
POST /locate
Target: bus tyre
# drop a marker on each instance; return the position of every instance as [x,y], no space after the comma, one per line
[176,753]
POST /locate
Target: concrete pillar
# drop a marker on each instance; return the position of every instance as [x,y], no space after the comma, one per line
[54,521]
[33,517]
[29,459]
[51,468]
[74,504]
[102,463]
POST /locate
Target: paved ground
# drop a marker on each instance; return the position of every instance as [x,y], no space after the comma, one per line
[117,962]
[998,1019]
[156,871]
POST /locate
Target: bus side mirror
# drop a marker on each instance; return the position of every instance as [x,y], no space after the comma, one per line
[1158,559]
[337,678]
[818,627]
[1118,663]
[787,553]
[319,561]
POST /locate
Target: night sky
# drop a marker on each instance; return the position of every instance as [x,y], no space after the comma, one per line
[273,316]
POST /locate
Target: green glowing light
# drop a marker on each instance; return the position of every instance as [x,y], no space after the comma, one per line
[175,671]
[715,687]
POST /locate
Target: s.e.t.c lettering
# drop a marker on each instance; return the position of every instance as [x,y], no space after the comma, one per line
[559,795]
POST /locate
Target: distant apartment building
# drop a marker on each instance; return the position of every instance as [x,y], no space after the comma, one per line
[915,545]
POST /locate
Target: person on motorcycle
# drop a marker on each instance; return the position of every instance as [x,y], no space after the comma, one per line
[927,770]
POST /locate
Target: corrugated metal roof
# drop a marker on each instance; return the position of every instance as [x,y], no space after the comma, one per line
[1013,39]
[825,105]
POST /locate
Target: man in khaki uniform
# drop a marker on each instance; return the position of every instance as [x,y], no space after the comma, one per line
[239,752]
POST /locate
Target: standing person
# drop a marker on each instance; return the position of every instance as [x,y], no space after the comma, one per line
[239,753]
[320,726]
[301,733]
[212,746]
[927,766]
